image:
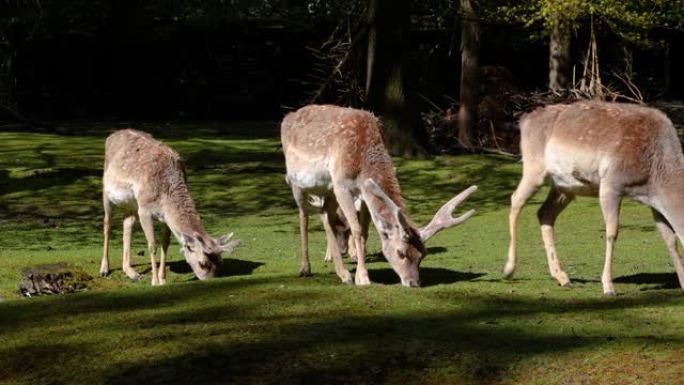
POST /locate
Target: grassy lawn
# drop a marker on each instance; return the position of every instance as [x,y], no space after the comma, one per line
[260,323]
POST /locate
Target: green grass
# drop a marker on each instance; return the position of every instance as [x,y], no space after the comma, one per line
[260,323]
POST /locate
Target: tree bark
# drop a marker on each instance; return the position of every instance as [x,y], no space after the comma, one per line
[470,73]
[387,76]
[667,70]
[8,94]
[559,55]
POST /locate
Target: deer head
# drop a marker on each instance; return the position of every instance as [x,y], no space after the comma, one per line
[402,243]
[203,253]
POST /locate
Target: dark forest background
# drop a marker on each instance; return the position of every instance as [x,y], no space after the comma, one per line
[442,74]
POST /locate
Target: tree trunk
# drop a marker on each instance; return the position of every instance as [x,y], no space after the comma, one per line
[559,55]
[9,104]
[470,73]
[667,70]
[387,76]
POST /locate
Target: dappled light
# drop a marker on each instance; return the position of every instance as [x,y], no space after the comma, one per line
[234,334]
[331,192]
[260,322]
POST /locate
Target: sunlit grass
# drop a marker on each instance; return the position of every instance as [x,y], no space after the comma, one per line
[260,323]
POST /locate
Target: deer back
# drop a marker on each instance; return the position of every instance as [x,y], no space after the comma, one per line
[326,144]
[584,142]
[154,172]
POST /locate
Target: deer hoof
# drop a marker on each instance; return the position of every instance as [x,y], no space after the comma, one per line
[305,273]
[362,281]
[346,278]
[104,273]
[609,293]
[508,271]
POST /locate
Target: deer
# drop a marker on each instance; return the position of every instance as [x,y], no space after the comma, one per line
[337,155]
[147,179]
[605,150]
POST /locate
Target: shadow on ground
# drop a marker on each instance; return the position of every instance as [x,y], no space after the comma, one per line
[230,267]
[659,280]
[298,344]
[429,276]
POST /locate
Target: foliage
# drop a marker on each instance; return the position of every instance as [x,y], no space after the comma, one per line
[260,323]
[19,19]
[632,19]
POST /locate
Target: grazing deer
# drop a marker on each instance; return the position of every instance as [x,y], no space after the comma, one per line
[144,177]
[609,150]
[337,154]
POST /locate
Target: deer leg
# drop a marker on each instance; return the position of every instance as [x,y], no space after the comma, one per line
[330,214]
[166,239]
[547,214]
[531,180]
[610,206]
[364,220]
[346,202]
[305,265]
[148,228]
[344,242]
[670,238]
[328,251]
[107,231]
[128,223]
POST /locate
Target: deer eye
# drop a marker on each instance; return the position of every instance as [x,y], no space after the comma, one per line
[401,254]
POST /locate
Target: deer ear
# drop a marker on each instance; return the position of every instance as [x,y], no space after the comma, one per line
[207,244]
[187,239]
[227,244]
[385,213]
[188,243]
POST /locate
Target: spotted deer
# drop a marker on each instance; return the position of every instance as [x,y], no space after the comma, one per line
[145,178]
[337,155]
[604,150]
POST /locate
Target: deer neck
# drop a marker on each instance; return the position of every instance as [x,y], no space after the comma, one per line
[181,216]
[378,166]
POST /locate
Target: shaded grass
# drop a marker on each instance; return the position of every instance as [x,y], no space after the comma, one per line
[259,323]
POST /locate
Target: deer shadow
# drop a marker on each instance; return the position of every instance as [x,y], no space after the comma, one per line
[378,257]
[659,280]
[429,276]
[230,267]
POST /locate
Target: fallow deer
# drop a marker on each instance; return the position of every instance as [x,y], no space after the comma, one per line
[605,150]
[337,154]
[146,178]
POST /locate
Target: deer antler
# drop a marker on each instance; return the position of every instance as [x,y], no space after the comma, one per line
[227,244]
[443,219]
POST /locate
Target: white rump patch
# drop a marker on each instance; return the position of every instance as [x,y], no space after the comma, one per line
[121,196]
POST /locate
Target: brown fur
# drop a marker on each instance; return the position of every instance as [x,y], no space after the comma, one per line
[601,149]
[337,154]
[147,179]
